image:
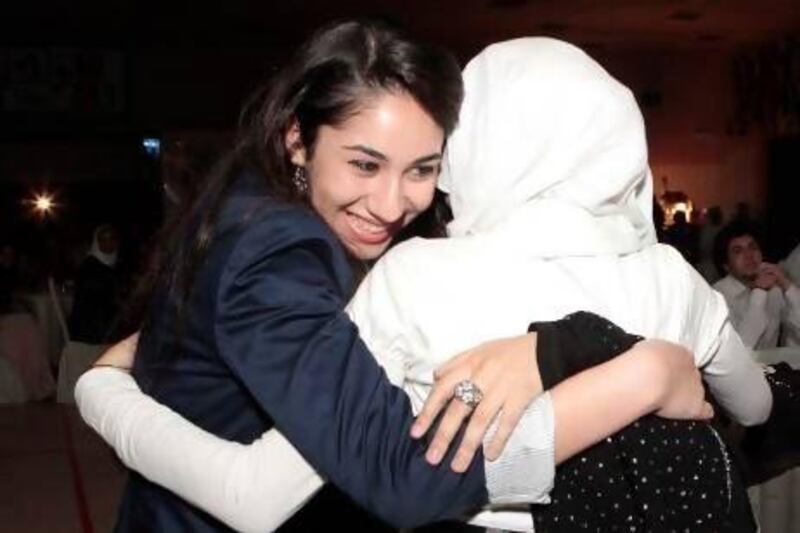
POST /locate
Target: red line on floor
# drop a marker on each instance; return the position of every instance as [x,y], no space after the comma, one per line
[77,478]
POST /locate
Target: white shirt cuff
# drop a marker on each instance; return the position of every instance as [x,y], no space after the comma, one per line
[758,297]
[525,471]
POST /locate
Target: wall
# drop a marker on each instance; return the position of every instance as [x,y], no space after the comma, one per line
[688,107]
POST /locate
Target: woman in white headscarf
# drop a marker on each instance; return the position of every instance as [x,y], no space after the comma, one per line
[96,302]
[551,161]
[551,196]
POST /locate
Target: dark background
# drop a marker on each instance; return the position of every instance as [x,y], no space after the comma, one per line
[83,82]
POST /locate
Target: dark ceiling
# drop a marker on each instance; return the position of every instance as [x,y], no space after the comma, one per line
[189,64]
[462,24]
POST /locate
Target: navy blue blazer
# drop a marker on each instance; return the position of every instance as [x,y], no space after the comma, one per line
[265,341]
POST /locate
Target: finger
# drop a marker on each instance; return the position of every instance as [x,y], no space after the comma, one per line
[451,364]
[479,423]
[441,393]
[509,418]
[456,412]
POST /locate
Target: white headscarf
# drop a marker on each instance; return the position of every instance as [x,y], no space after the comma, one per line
[107,259]
[549,143]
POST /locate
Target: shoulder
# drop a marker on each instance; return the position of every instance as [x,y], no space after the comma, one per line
[675,272]
[413,267]
[669,256]
[250,213]
[413,273]
[728,286]
[704,299]
[385,279]
[290,239]
[683,283]
[418,254]
[278,224]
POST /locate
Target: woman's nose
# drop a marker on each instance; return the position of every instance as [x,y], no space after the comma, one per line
[387,201]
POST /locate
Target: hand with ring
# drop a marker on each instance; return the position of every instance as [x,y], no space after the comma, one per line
[496,380]
[469,393]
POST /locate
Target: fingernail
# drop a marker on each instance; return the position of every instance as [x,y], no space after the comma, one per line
[416,431]
[434,456]
[459,464]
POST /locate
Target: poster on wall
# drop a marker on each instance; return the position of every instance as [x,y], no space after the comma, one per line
[61,81]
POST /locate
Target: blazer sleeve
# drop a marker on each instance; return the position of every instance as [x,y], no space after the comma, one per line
[575,343]
[281,328]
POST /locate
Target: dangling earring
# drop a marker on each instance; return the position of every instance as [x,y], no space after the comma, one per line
[299,180]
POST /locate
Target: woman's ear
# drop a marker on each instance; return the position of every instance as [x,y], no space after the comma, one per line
[294,145]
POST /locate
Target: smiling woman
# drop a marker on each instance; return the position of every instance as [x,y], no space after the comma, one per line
[335,157]
[373,174]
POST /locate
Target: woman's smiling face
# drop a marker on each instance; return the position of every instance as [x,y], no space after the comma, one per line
[372,174]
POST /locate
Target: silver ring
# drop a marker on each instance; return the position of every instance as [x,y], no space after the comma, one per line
[468,393]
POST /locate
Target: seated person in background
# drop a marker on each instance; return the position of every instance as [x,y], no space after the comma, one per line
[764,302]
[761,297]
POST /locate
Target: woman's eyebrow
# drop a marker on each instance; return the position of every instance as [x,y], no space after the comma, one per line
[367,150]
[425,159]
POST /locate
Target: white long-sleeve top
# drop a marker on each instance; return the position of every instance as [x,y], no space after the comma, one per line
[759,315]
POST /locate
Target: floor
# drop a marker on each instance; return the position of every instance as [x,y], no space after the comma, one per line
[56,476]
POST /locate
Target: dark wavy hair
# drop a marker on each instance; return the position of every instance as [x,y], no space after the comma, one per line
[324,83]
[733,230]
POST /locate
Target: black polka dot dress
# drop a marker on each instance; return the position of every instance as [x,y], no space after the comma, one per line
[656,475]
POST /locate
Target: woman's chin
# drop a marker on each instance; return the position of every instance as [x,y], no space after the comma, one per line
[364,251]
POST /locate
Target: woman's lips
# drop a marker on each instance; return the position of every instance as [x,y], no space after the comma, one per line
[369,232]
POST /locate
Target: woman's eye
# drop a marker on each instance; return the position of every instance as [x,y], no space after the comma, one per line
[367,167]
[425,171]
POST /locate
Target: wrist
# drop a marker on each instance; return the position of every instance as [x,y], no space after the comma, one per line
[109,365]
[758,297]
[533,362]
[651,376]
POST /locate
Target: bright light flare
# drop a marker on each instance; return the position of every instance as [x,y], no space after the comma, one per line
[670,210]
[43,204]
[681,206]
